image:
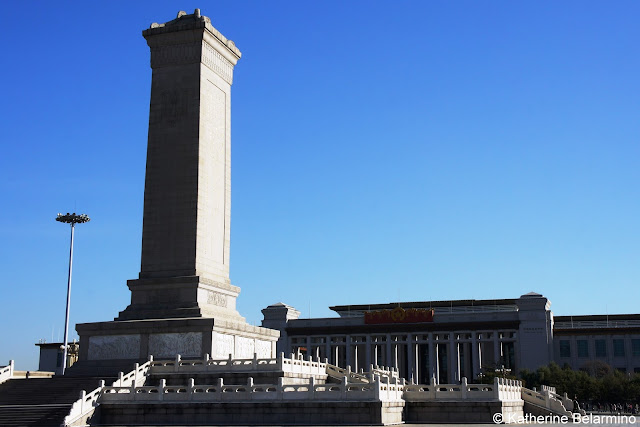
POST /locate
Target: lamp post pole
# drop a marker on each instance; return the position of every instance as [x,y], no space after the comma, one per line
[71,219]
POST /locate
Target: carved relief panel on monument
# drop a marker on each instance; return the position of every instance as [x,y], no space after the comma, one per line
[216,298]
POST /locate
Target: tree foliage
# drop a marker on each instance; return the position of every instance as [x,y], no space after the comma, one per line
[597,382]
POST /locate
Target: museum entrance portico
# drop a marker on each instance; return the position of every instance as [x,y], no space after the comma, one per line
[446,356]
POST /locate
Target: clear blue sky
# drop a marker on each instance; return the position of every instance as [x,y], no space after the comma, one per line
[382,152]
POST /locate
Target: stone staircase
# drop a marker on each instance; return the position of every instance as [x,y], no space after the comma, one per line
[101,368]
[40,401]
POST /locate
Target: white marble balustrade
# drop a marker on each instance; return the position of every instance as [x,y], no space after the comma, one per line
[7,372]
[220,392]
[549,399]
[84,407]
[206,365]
[501,389]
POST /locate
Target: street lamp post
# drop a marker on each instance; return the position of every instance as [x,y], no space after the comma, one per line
[71,219]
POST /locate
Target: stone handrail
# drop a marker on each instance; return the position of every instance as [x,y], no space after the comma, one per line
[384,372]
[501,389]
[339,373]
[7,372]
[508,389]
[566,401]
[546,399]
[289,365]
[84,407]
[220,392]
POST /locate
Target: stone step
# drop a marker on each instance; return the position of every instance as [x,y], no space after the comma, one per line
[33,415]
[41,401]
[101,368]
[45,391]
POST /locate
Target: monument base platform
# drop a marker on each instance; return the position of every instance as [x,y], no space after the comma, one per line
[181,297]
[165,338]
[309,412]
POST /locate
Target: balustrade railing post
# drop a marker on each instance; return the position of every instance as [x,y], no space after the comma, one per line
[161,386]
[376,387]
[176,367]
[280,388]
[191,384]
[547,399]
[83,395]
[250,388]
[463,387]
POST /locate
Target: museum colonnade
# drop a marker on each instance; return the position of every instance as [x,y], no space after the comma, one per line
[446,356]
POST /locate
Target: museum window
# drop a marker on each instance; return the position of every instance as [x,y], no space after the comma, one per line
[601,348]
[618,348]
[583,348]
[635,347]
[565,348]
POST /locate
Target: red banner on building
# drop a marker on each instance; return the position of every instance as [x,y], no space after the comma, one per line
[398,315]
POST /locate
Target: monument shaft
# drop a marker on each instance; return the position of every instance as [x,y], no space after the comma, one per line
[187,187]
[187,214]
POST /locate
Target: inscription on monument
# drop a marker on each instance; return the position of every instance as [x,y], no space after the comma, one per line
[216,298]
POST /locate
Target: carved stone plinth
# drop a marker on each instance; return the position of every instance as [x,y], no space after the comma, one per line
[165,338]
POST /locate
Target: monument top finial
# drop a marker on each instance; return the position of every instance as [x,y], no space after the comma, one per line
[185,21]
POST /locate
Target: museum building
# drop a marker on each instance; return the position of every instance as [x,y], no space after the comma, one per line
[448,340]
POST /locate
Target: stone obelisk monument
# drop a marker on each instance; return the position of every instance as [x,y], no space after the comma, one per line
[183,301]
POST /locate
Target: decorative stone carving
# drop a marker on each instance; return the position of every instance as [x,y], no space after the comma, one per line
[114,347]
[163,56]
[245,347]
[216,298]
[263,349]
[188,344]
[219,64]
[224,346]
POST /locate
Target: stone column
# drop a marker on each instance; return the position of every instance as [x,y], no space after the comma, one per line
[327,348]
[454,359]
[411,357]
[475,360]
[433,358]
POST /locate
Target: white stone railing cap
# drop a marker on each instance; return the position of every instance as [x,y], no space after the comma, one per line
[191,22]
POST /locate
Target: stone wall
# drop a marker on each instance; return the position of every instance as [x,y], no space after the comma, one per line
[254,413]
